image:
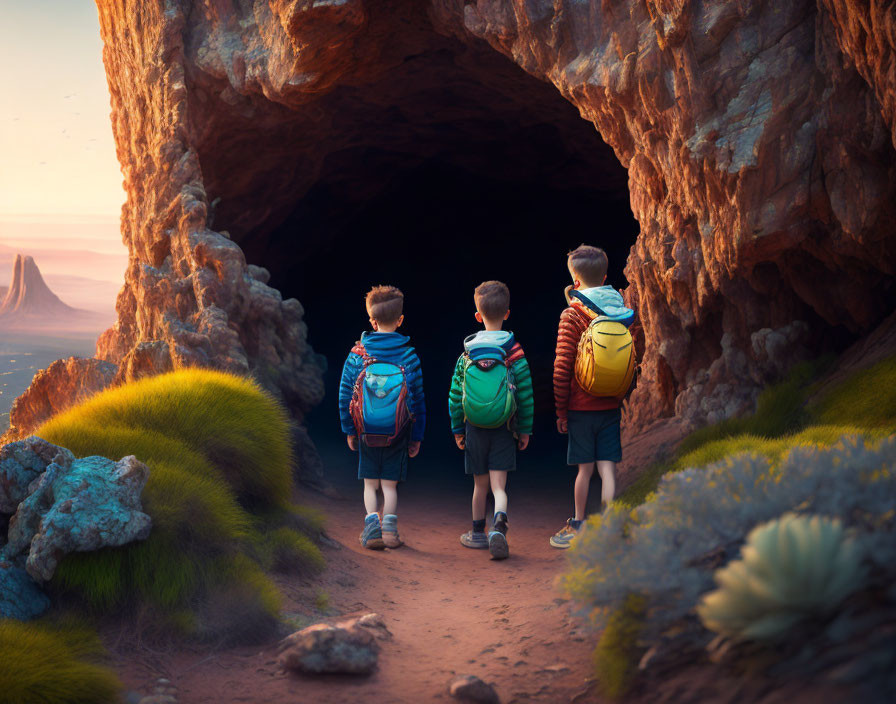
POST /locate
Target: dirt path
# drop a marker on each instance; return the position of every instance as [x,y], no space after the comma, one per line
[451,611]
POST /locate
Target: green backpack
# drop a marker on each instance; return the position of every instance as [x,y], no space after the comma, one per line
[489,393]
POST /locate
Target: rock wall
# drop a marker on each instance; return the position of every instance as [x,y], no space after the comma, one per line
[866,34]
[757,135]
[759,169]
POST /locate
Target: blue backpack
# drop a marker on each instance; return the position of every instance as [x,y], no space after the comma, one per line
[379,405]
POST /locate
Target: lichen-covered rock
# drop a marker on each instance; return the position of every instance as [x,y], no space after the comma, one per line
[20,597]
[87,504]
[21,463]
[348,648]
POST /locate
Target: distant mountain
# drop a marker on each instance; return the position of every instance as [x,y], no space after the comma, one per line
[29,303]
[29,295]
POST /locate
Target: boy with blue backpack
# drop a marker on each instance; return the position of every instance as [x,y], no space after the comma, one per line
[382,412]
[491,405]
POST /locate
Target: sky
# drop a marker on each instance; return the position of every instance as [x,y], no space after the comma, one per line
[60,183]
[57,153]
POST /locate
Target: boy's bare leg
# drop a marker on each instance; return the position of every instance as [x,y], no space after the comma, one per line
[370,498]
[497,539]
[583,482]
[480,494]
[607,471]
[390,496]
[498,481]
[390,509]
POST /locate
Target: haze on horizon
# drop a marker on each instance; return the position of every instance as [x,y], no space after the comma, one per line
[60,182]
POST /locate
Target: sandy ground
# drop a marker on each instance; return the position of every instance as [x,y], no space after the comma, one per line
[451,611]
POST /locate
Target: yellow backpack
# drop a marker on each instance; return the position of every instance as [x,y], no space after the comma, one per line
[605,358]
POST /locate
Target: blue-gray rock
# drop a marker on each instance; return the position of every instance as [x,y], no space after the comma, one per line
[20,597]
[21,463]
[87,505]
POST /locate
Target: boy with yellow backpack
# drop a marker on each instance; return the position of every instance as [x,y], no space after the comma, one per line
[593,371]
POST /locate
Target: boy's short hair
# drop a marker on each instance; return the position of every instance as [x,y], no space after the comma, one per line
[492,299]
[589,262]
[385,304]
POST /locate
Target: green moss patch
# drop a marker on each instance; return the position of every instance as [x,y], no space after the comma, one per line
[616,656]
[40,664]
[220,489]
[864,404]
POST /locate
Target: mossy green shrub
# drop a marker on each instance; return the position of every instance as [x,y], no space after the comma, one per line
[288,550]
[792,569]
[780,410]
[42,664]
[615,658]
[220,488]
[698,518]
[225,420]
[686,516]
[864,403]
[867,399]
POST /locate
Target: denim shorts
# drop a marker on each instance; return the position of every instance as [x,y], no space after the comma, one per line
[489,449]
[594,436]
[389,463]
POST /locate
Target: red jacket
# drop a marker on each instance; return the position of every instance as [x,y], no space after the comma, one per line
[568,395]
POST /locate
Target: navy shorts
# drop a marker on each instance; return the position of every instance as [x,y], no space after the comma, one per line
[594,436]
[489,449]
[389,463]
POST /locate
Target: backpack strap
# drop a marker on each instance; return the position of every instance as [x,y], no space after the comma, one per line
[361,351]
[576,300]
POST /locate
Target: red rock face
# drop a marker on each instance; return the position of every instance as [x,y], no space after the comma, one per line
[757,137]
[866,34]
[54,389]
[759,169]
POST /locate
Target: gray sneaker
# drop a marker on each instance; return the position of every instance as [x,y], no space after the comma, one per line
[497,539]
[497,545]
[390,531]
[563,538]
[372,535]
[477,541]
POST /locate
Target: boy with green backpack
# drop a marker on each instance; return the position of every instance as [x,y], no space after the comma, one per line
[491,406]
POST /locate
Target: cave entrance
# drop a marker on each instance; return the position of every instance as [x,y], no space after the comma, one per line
[453,168]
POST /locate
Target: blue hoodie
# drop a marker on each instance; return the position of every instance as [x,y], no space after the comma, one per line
[389,347]
[605,300]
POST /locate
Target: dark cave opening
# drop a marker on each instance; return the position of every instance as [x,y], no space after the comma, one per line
[455,168]
[436,229]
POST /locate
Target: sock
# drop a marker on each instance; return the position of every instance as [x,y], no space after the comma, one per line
[390,523]
[479,526]
[500,523]
[372,517]
[575,524]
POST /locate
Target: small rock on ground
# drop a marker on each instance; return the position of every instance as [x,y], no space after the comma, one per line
[349,647]
[374,623]
[163,693]
[469,688]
